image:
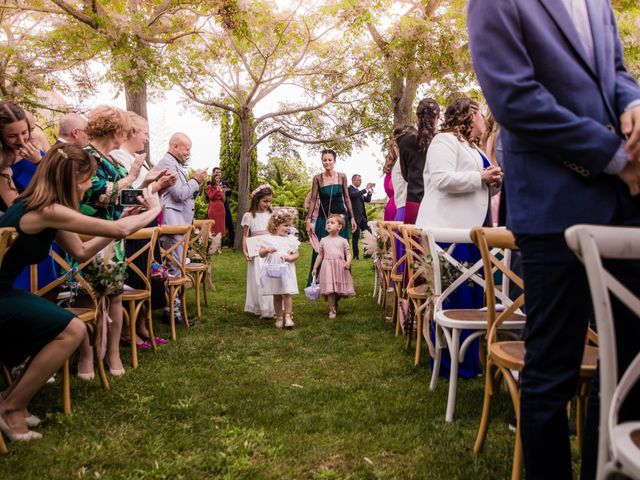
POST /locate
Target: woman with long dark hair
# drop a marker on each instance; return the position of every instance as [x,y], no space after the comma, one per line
[413,148]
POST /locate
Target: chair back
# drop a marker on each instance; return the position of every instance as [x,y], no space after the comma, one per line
[199,239]
[150,234]
[8,235]
[592,244]
[182,234]
[495,245]
[386,261]
[398,257]
[417,253]
[443,262]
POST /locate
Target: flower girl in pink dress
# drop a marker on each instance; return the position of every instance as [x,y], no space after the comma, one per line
[333,263]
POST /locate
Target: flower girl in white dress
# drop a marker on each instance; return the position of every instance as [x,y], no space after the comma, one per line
[278,277]
[254,224]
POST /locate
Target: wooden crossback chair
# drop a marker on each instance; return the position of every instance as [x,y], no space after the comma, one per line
[396,274]
[198,271]
[386,265]
[378,281]
[136,299]
[84,307]
[419,275]
[619,442]
[451,322]
[176,285]
[504,357]
[8,235]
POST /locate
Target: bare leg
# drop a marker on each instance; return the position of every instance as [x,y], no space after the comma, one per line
[39,370]
[331,300]
[113,337]
[288,304]
[277,305]
[85,359]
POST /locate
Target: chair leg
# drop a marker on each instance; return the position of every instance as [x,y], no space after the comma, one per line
[204,281]
[3,446]
[152,335]
[172,317]
[132,333]
[420,320]
[581,408]
[66,388]
[183,296]
[196,280]
[486,410]
[435,372]
[454,350]
[396,307]
[516,469]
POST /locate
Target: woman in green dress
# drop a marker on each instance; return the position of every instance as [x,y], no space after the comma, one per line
[329,190]
[32,327]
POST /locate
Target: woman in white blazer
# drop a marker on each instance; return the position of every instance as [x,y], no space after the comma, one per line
[457,175]
[458,179]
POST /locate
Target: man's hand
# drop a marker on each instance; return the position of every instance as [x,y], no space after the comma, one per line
[630,127]
[630,175]
[200,175]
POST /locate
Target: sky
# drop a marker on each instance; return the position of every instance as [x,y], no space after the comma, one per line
[170,115]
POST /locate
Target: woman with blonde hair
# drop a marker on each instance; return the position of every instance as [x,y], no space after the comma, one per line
[31,327]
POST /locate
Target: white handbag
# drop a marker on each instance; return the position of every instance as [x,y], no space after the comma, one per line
[312,292]
[276,270]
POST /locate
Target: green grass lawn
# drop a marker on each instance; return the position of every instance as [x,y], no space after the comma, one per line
[236,398]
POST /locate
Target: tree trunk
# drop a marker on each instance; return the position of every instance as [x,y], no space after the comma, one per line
[136,97]
[404,94]
[243,174]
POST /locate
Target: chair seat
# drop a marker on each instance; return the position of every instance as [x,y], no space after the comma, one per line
[625,438]
[84,314]
[397,277]
[177,282]
[196,267]
[475,319]
[510,354]
[135,294]
[419,292]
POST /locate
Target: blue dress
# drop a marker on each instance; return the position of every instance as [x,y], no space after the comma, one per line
[22,172]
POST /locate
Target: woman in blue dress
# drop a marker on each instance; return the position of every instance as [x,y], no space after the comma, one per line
[329,190]
[31,327]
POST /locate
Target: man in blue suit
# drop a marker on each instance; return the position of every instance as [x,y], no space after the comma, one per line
[552,73]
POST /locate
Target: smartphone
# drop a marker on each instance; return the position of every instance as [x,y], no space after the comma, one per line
[129,196]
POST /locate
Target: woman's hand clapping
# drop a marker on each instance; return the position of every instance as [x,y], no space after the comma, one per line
[492,175]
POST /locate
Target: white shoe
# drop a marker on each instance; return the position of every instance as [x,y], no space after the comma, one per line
[279,322]
[288,321]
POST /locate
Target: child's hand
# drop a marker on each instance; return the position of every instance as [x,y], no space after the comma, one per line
[246,256]
[271,249]
[314,272]
[347,265]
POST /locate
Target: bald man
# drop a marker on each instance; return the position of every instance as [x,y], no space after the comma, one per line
[178,201]
[71,130]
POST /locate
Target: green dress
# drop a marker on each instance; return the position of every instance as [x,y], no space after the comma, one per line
[333,198]
[28,322]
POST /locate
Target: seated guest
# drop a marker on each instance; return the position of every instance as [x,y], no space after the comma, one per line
[32,327]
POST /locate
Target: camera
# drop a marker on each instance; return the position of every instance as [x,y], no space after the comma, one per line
[129,196]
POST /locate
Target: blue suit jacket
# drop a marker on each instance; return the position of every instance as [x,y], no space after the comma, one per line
[560,115]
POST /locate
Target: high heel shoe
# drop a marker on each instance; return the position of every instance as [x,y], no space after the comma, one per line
[15,436]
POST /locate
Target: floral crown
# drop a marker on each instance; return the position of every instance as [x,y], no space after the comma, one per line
[260,188]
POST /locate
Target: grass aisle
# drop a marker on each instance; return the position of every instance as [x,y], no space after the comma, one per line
[236,398]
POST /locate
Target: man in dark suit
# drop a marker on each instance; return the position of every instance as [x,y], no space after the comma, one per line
[358,198]
[552,73]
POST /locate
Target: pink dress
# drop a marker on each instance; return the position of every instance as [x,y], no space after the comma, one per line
[390,208]
[334,278]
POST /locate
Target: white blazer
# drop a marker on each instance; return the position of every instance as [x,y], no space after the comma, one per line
[454,195]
